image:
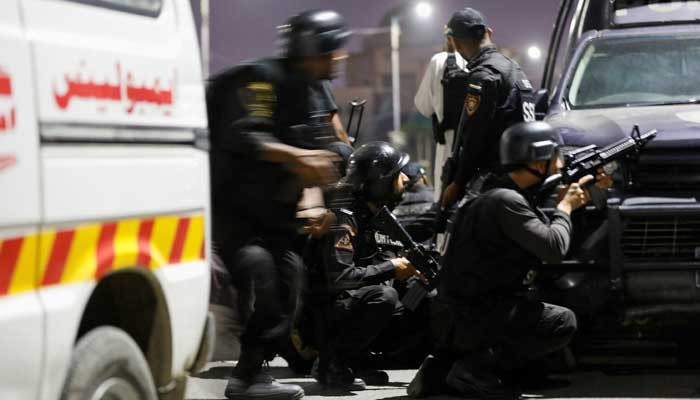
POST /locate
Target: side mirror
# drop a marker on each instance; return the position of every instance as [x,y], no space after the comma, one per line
[541,104]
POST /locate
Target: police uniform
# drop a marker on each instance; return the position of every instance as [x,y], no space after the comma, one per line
[254,201]
[498,96]
[488,317]
[367,314]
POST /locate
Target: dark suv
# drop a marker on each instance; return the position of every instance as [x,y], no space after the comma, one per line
[633,275]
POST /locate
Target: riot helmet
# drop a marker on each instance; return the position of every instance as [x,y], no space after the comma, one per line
[528,142]
[372,170]
[313,33]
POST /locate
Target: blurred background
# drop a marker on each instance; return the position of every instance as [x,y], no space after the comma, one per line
[237,30]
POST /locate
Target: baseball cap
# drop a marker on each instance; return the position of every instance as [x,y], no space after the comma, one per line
[466,23]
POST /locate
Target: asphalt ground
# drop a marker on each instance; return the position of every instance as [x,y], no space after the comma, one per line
[642,383]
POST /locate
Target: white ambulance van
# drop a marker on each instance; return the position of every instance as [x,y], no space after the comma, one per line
[104,200]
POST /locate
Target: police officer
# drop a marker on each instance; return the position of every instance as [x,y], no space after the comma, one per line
[498,95]
[490,325]
[358,261]
[268,120]
[416,211]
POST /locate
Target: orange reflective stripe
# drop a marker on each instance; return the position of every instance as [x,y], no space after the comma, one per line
[179,242]
[90,251]
[9,255]
[105,249]
[57,259]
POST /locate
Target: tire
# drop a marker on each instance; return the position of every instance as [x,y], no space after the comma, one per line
[107,364]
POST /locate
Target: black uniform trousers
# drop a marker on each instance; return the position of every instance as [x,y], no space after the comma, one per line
[268,276]
[512,331]
[358,318]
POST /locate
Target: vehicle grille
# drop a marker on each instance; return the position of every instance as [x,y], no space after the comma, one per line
[667,172]
[661,239]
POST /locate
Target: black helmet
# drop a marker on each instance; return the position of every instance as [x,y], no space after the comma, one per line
[314,33]
[372,170]
[526,142]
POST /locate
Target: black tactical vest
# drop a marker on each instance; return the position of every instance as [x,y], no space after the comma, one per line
[454,84]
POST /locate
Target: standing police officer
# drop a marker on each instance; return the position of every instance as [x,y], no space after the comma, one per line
[358,261]
[268,120]
[498,95]
[490,324]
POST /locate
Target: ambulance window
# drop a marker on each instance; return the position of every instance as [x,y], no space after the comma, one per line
[150,8]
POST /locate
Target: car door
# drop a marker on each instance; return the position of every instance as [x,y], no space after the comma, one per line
[21,316]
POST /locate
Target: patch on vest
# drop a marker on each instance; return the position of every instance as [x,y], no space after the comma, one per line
[471,104]
[344,243]
[384,240]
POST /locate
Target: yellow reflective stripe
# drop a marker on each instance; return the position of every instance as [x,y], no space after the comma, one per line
[162,239]
[81,264]
[195,236]
[126,247]
[24,277]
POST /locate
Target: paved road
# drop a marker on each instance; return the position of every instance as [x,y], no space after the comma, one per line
[640,384]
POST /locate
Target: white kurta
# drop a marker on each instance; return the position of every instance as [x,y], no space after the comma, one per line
[429,101]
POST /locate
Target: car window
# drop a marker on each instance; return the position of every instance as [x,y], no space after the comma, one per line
[631,12]
[637,71]
[149,8]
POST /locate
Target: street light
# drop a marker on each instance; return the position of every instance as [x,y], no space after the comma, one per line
[423,10]
[534,53]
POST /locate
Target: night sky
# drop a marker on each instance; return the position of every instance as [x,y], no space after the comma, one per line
[243,29]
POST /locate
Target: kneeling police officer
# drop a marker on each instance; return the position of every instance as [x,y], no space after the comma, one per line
[358,261]
[490,326]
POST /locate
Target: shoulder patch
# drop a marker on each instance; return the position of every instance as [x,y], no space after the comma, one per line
[471,104]
[523,84]
[344,243]
[259,99]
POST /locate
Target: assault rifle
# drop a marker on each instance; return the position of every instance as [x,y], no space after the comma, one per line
[421,259]
[587,160]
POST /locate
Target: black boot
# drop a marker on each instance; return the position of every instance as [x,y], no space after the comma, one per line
[335,375]
[476,376]
[430,378]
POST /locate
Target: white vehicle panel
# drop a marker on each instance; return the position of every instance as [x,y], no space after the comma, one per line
[187,313]
[96,65]
[19,165]
[21,336]
[64,305]
[90,182]
[21,317]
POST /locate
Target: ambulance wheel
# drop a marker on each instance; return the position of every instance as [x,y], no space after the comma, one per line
[107,364]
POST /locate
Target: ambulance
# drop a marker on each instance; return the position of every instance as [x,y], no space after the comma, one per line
[104,200]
